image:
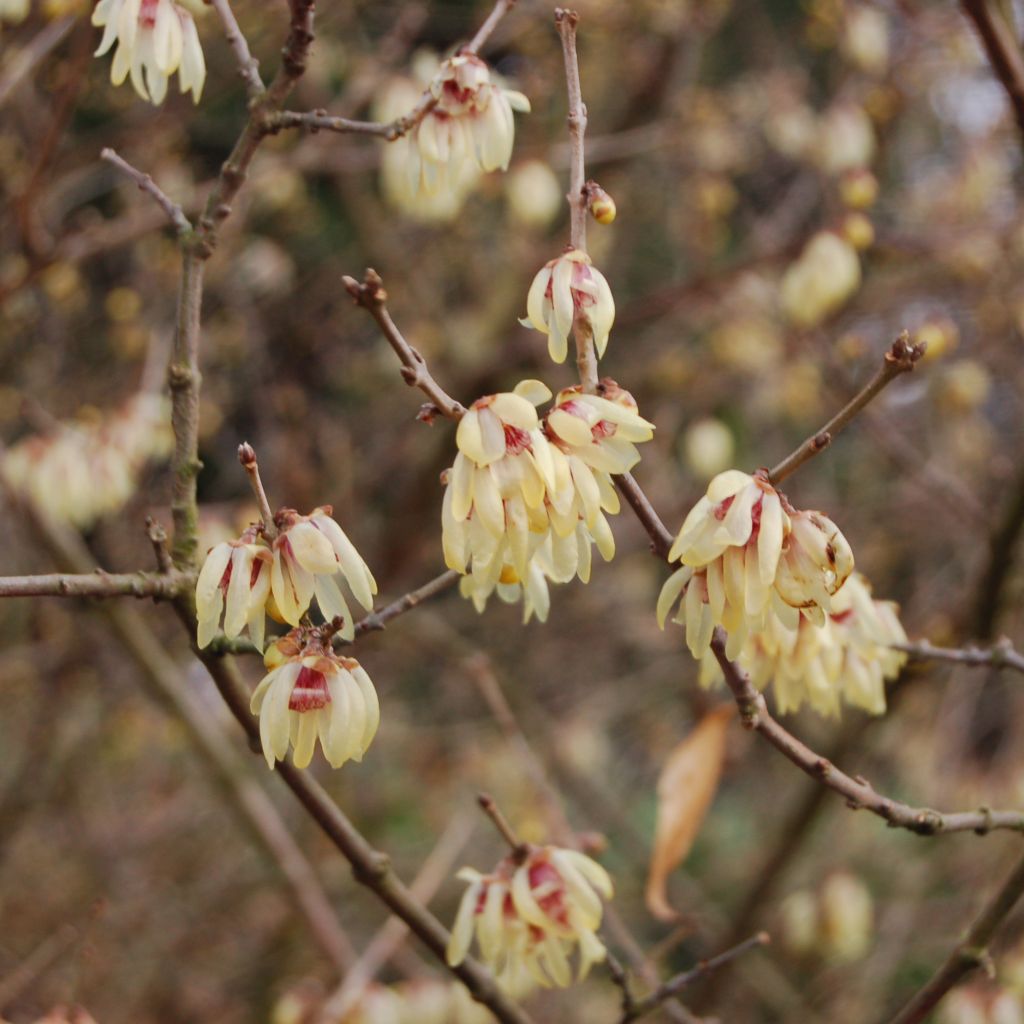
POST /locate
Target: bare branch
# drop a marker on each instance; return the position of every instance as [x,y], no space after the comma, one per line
[1000,655]
[675,985]
[484,32]
[248,66]
[247,457]
[901,358]
[372,297]
[858,792]
[490,807]
[158,538]
[172,210]
[661,538]
[159,586]
[969,955]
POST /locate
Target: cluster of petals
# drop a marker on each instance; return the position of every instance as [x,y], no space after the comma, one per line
[310,694]
[527,498]
[471,122]
[80,472]
[747,557]
[244,579]
[566,291]
[154,39]
[530,913]
[846,658]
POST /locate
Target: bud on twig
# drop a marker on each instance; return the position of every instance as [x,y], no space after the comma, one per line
[599,203]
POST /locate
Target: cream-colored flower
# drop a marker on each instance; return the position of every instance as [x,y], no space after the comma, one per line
[471,123]
[821,281]
[532,589]
[816,561]
[13,11]
[730,546]
[235,581]
[568,290]
[494,502]
[528,915]
[310,693]
[311,553]
[154,39]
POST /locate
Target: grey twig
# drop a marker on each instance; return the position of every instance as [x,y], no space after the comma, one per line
[172,210]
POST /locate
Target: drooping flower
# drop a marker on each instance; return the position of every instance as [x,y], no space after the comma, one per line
[529,914]
[816,561]
[493,507]
[310,554]
[730,546]
[154,39]
[568,290]
[471,122]
[235,581]
[510,587]
[311,693]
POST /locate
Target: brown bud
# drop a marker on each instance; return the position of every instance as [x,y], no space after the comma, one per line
[246,454]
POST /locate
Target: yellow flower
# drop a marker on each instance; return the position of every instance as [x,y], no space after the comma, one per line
[566,290]
[529,914]
[311,693]
[154,39]
[235,580]
[816,561]
[310,554]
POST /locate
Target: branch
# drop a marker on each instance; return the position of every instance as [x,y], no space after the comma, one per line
[247,457]
[675,985]
[1002,543]
[248,66]
[1003,54]
[858,793]
[1000,655]
[372,297]
[661,538]
[370,867]
[969,955]
[172,210]
[901,358]
[159,586]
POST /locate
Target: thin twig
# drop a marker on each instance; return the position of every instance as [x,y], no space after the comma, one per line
[490,807]
[858,792]
[40,960]
[1000,655]
[969,955]
[248,66]
[35,50]
[675,985]
[661,538]
[483,33]
[161,552]
[172,210]
[1003,53]
[901,358]
[247,457]
[159,586]
[373,298]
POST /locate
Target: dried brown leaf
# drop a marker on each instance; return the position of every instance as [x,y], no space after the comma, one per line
[686,788]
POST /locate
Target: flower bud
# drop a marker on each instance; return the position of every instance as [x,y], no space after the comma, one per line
[601,205]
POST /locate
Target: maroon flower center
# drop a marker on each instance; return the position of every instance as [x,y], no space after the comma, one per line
[310,692]
[553,902]
[147,13]
[516,441]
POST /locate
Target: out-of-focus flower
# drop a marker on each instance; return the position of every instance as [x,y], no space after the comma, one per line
[821,281]
[235,581]
[815,562]
[534,193]
[13,11]
[940,334]
[708,446]
[154,39]
[847,917]
[310,553]
[857,229]
[83,471]
[497,484]
[471,122]
[845,139]
[865,40]
[858,188]
[529,913]
[964,386]
[568,290]
[310,693]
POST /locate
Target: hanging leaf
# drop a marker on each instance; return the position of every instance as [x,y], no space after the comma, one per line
[685,790]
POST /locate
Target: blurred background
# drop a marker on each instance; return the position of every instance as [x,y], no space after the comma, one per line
[796,183]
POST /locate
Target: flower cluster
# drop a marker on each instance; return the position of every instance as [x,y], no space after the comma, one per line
[566,291]
[529,914]
[309,556]
[154,39]
[470,123]
[750,558]
[527,497]
[311,693]
[83,471]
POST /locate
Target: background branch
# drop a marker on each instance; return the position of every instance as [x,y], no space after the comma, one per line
[172,210]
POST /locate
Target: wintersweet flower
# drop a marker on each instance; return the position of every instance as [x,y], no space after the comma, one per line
[470,122]
[154,39]
[311,553]
[311,693]
[529,914]
[494,502]
[531,589]
[235,581]
[13,11]
[568,290]
[815,563]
